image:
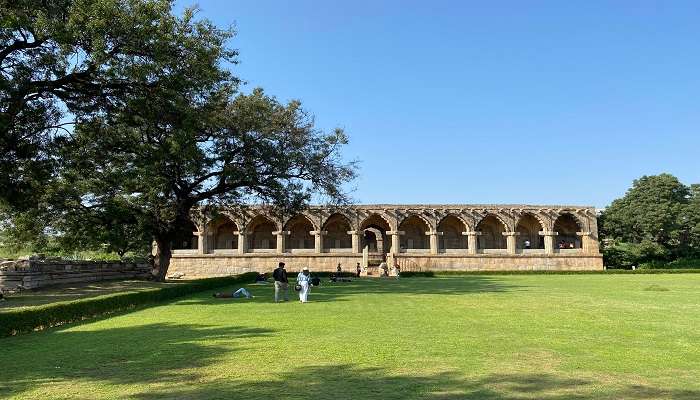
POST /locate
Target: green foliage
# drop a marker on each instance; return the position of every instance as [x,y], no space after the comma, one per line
[413,274]
[160,127]
[658,219]
[624,255]
[32,318]
[65,60]
[681,263]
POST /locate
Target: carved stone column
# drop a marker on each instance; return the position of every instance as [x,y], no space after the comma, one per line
[548,241]
[242,242]
[586,240]
[318,243]
[434,243]
[510,241]
[395,241]
[281,240]
[471,241]
[355,235]
[201,242]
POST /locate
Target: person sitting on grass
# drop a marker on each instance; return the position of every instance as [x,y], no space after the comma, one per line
[338,278]
[261,278]
[242,292]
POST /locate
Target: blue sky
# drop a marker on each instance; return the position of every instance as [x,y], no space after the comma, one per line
[485,102]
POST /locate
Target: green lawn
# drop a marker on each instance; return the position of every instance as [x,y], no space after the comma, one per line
[29,298]
[492,337]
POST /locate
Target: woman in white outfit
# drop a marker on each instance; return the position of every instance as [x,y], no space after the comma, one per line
[304,280]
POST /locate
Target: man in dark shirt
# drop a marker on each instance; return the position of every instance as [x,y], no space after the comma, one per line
[281,283]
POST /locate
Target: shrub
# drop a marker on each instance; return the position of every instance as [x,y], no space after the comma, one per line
[426,274]
[681,263]
[624,255]
[17,321]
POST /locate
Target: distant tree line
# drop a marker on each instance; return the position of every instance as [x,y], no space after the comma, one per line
[656,223]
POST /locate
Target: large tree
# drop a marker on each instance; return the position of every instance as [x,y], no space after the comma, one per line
[160,129]
[655,218]
[165,160]
[62,61]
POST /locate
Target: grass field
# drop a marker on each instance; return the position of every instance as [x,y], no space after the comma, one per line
[474,337]
[29,298]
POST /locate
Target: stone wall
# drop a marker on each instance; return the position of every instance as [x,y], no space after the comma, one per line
[204,266]
[32,274]
[207,265]
[504,262]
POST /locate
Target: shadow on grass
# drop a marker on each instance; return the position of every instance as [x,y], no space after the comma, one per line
[53,294]
[338,382]
[340,291]
[131,355]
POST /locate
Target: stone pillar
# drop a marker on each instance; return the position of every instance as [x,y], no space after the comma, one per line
[355,241]
[318,243]
[281,240]
[471,241]
[510,241]
[548,241]
[434,243]
[585,241]
[395,241]
[242,242]
[201,242]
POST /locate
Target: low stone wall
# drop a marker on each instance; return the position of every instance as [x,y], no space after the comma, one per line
[208,265]
[501,262]
[32,274]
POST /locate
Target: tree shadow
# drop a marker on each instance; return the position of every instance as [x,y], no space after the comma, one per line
[66,292]
[342,291]
[130,355]
[339,382]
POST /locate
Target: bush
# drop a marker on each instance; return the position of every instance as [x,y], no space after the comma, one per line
[34,318]
[625,255]
[425,274]
[681,263]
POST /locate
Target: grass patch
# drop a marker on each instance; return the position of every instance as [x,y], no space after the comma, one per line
[27,319]
[656,288]
[54,294]
[447,337]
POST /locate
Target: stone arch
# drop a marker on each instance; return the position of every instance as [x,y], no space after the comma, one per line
[567,225]
[491,228]
[186,237]
[430,224]
[528,228]
[223,236]
[374,228]
[336,227]
[415,228]
[260,236]
[378,219]
[452,227]
[299,228]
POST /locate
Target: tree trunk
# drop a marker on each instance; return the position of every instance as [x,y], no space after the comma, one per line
[162,260]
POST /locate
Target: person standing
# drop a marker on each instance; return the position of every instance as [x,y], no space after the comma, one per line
[359,270]
[304,280]
[339,269]
[281,283]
